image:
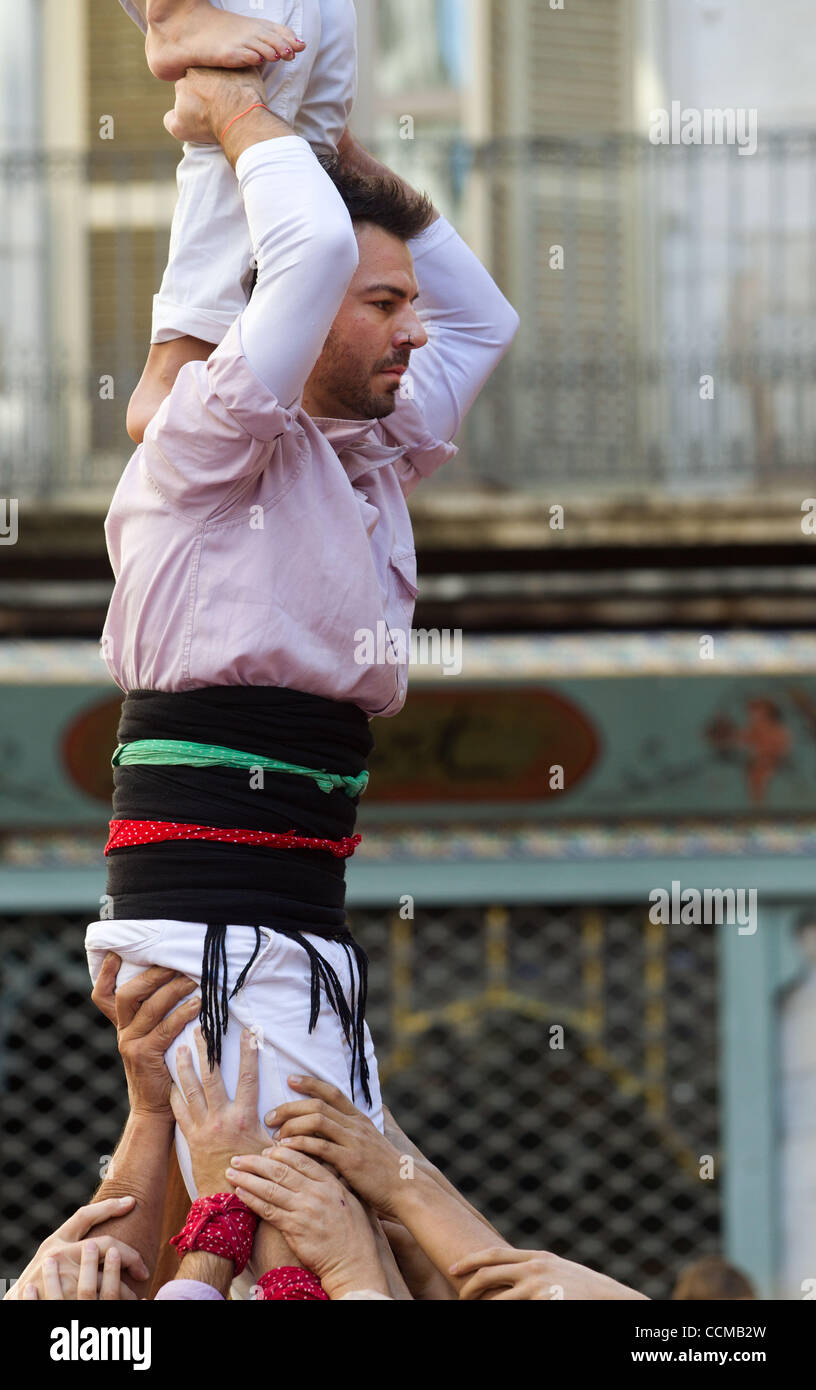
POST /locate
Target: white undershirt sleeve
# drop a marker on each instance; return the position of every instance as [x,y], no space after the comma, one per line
[307,254]
[470,326]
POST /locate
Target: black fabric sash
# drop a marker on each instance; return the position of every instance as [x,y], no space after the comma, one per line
[291,891]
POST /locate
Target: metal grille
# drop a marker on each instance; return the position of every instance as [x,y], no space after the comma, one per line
[587,1143]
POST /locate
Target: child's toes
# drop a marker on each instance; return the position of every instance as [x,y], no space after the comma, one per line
[249,58]
[284,38]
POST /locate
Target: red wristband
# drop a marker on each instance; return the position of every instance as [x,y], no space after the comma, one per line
[290,1284]
[222,1225]
[253,107]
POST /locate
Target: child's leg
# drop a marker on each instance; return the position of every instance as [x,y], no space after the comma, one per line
[209,272]
[332,90]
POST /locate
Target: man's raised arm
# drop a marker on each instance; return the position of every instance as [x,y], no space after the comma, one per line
[469,322]
[306,253]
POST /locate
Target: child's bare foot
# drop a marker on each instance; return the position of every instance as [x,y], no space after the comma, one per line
[164,362]
[184,34]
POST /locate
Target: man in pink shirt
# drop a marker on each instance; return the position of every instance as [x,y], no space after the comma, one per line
[256,536]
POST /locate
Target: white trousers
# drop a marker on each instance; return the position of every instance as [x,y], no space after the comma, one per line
[209,272]
[274,1003]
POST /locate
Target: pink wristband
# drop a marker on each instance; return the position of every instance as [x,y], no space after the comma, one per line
[253,107]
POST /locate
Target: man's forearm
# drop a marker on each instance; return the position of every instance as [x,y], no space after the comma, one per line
[139,1169]
[360,161]
[252,129]
[441,1226]
[307,254]
[404,1145]
[205,1268]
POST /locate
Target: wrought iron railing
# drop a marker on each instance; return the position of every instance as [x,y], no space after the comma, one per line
[668,346]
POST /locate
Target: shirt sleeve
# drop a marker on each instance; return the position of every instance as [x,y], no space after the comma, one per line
[470,327]
[306,251]
[187,1290]
[215,429]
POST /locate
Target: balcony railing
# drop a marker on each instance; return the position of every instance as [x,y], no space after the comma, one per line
[667,345]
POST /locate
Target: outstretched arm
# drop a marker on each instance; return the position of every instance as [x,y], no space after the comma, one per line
[140,1011]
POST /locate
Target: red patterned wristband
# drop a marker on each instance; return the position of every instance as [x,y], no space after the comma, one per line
[290,1284]
[222,1225]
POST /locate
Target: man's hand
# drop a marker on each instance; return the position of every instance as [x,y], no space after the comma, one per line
[502,1274]
[61,1263]
[145,1028]
[321,1221]
[207,98]
[327,1126]
[214,1126]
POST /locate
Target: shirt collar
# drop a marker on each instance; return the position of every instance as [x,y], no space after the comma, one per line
[358,445]
[343,434]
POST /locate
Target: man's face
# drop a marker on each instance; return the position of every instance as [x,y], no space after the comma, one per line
[367,352]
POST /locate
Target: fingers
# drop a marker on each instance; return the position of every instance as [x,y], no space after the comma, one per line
[164,998]
[214,1088]
[493,1277]
[130,996]
[51,1279]
[496,1255]
[293,1109]
[189,1083]
[111,1270]
[279,1163]
[265,1192]
[104,990]
[88,1268]
[322,1149]
[324,1091]
[129,1258]
[30,1291]
[275,1212]
[91,1215]
[246,1090]
[175,1023]
[315,1124]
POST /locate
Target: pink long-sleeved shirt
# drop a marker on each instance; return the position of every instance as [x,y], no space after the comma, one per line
[254,545]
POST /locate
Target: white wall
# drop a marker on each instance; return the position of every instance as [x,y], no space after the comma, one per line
[798,1121]
[758,53]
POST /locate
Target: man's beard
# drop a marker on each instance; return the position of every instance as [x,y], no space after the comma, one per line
[348,381]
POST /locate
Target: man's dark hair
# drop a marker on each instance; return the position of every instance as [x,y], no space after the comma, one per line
[381,201]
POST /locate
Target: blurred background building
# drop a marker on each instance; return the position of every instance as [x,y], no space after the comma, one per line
[633,481]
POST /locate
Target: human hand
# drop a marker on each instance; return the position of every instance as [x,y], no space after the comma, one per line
[214,1126]
[504,1274]
[147,1021]
[90,1282]
[207,98]
[327,1126]
[58,1263]
[320,1220]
